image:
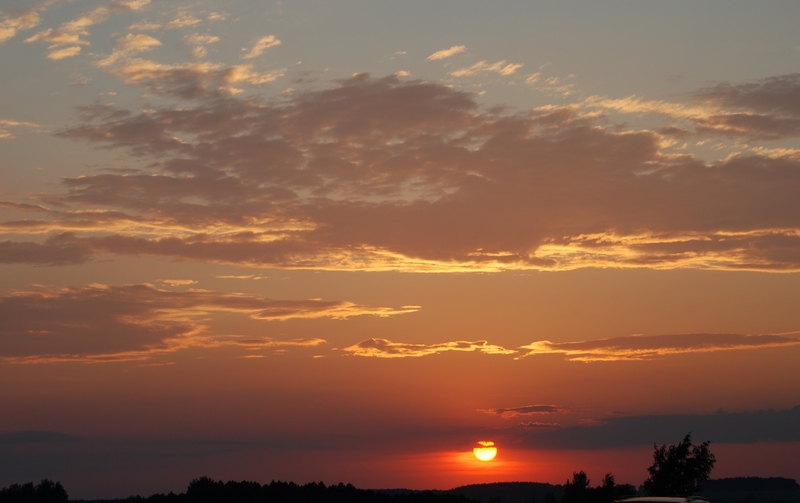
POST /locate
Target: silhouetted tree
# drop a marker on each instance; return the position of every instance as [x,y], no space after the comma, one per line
[576,491]
[46,491]
[679,470]
[579,491]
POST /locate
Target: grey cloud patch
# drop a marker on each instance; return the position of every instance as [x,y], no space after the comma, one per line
[525,410]
[60,249]
[779,94]
[742,427]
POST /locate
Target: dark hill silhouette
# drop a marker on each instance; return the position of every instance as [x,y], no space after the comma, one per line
[762,490]
[510,492]
[206,490]
[752,484]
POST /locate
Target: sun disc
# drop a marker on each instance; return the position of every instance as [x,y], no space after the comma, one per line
[486,452]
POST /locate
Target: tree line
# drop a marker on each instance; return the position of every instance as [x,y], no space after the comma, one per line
[677,470]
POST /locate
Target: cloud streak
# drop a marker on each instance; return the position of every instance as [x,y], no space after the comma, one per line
[446,53]
[134,322]
[500,67]
[71,34]
[16,21]
[526,410]
[261,46]
[637,347]
[383,348]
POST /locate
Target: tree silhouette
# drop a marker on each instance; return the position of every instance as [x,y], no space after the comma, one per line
[46,491]
[678,470]
[579,491]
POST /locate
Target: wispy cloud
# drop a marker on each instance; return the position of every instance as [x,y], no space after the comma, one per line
[16,21]
[191,80]
[446,53]
[74,324]
[261,46]
[525,410]
[129,45]
[760,110]
[637,347]
[183,21]
[72,33]
[7,127]
[199,43]
[500,67]
[383,348]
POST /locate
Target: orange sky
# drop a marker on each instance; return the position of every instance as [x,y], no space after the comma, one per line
[348,241]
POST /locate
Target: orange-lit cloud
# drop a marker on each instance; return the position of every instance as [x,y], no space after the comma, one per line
[760,110]
[261,46]
[382,348]
[637,347]
[191,80]
[183,21]
[388,174]
[199,43]
[7,128]
[129,45]
[16,21]
[72,33]
[446,53]
[114,323]
[500,67]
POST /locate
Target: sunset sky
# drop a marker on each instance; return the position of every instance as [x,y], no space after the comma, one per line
[347,240]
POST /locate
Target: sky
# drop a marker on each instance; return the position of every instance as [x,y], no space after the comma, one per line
[344,241]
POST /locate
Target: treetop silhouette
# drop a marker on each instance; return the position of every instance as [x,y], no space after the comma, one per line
[679,470]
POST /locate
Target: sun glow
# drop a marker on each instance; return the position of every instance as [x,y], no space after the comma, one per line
[486,452]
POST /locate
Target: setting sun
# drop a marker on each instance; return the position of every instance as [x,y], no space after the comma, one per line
[486,452]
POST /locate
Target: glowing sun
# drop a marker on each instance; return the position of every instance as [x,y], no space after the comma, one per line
[486,452]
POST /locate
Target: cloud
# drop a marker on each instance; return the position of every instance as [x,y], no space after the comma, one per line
[638,347]
[191,80]
[536,424]
[762,110]
[446,53]
[199,42]
[144,25]
[71,33]
[382,348]
[768,96]
[129,45]
[131,322]
[395,174]
[19,20]
[524,410]
[7,127]
[183,20]
[261,46]
[178,282]
[500,67]
[719,427]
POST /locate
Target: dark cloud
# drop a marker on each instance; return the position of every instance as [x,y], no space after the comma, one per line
[60,249]
[773,95]
[130,322]
[387,174]
[525,410]
[721,427]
